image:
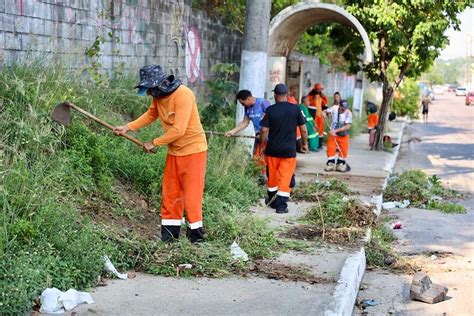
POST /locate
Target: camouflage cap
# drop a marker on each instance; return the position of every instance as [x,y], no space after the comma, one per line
[151,76]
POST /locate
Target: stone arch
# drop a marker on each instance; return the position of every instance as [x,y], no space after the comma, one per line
[290,23]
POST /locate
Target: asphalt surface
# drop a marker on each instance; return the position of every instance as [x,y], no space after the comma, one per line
[445,145]
[442,245]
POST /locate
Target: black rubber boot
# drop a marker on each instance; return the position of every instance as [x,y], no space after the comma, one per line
[281,204]
[170,233]
[195,235]
[270,199]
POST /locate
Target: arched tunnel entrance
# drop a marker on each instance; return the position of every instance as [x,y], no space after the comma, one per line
[287,27]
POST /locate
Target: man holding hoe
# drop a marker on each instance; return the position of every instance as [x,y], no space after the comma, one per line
[185,168]
[254,111]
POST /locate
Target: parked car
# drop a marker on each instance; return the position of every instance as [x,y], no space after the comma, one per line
[461,91]
[452,88]
[470,98]
[438,89]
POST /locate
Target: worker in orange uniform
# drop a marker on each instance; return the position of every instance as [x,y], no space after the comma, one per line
[318,104]
[341,122]
[372,122]
[279,126]
[185,169]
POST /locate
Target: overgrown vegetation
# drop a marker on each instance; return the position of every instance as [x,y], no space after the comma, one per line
[407,102]
[333,208]
[421,191]
[221,95]
[379,252]
[310,191]
[62,200]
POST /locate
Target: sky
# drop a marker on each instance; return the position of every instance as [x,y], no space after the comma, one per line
[458,40]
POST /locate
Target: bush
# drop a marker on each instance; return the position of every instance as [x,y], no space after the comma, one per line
[409,101]
[421,190]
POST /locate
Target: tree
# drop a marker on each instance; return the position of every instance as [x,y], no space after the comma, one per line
[445,71]
[406,34]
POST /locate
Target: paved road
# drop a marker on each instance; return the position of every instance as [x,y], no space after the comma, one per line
[445,147]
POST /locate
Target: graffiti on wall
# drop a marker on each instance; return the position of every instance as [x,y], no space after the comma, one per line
[192,57]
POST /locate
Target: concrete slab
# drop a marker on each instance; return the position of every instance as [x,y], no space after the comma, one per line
[153,295]
[436,234]
[296,211]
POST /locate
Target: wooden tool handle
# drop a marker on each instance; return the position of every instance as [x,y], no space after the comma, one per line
[223,134]
[105,124]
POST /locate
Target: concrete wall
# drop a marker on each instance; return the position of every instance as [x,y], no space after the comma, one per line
[185,41]
[311,72]
[314,72]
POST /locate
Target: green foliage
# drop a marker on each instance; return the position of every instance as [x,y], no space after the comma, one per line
[411,185]
[314,42]
[411,51]
[446,207]
[379,252]
[421,190]
[445,71]
[409,101]
[338,211]
[60,201]
[221,95]
[310,190]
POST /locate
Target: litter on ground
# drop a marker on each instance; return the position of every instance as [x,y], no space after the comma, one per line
[54,301]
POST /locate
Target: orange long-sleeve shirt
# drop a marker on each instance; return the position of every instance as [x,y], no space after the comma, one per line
[179,117]
[372,120]
[317,102]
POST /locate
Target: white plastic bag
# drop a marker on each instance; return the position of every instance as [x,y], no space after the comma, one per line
[109,267]
[54,301]
[238,253]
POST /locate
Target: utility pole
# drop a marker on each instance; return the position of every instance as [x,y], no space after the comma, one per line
[253,63]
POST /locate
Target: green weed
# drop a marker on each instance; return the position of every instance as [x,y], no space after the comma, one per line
[416,186]
[446,207]
[379,253]
[310,190]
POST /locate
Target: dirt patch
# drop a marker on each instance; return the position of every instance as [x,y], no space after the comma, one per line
[367,186]
[132,214]
[341,236]
[284,272]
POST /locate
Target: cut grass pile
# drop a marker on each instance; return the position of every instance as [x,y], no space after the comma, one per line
[311,191]
[334,217]
[70,195]
[422,191]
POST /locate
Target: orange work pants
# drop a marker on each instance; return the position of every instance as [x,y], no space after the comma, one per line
[258,157]
[342,141]
[280,172]
[183,189]
[319,120]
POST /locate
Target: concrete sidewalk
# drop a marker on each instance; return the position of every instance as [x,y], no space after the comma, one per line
[342,266]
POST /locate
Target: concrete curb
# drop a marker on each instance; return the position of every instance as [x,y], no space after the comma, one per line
[347,288]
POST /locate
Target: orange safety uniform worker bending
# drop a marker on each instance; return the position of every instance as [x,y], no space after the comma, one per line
[185,167]
[279,125]
[341,122]
[318,104]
